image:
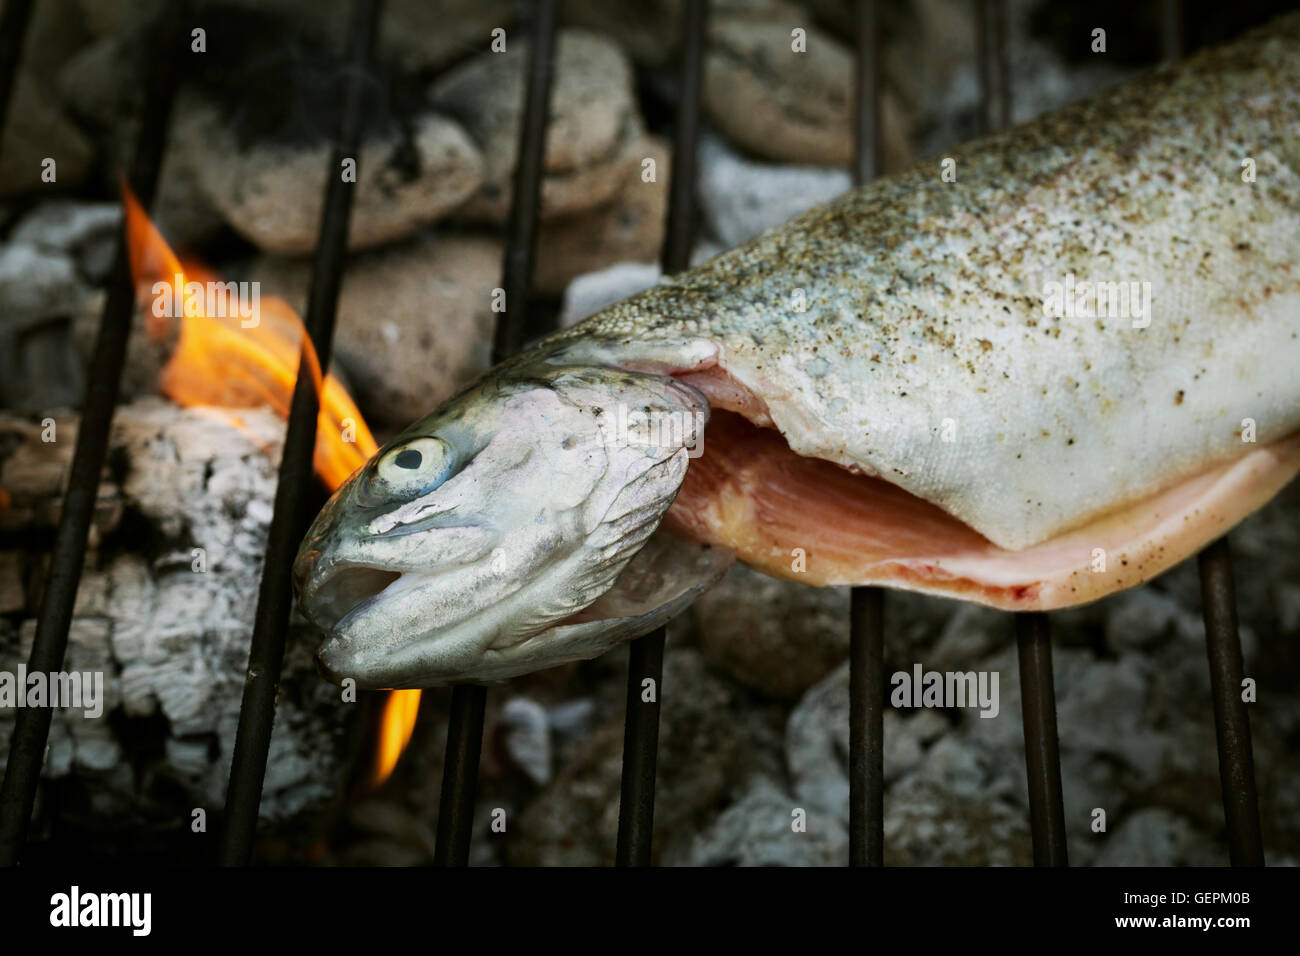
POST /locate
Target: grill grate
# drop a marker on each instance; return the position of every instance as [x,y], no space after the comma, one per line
[291,516]
[1231,721]
[31,730]
[636,811]
[32,724]
[866,605]
[469,702]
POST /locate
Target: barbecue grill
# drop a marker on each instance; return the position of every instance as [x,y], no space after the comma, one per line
[291,517]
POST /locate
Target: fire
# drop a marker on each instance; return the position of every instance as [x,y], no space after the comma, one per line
[396,725]
[234,360]
[236,349]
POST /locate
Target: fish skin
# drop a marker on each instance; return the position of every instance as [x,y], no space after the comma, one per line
[924,303]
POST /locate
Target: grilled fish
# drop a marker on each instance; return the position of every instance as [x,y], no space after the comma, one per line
[1034,372]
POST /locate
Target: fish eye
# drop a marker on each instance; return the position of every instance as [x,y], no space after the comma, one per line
[413,468]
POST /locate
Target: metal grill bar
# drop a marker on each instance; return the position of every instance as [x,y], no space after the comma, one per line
[291,515]
[636,808]
[1231,720]
[1171,30]
[1222,641]
[1042,750]
[1033,632]
[460,775]
[13,28]
[469,701]
[32,724]
[995,81]
[636,805]
[866,605]
[866,102]
[521,231]
[679,235]
[866,728]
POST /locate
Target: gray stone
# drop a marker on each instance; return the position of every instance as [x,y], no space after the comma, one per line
[66,225]
[759,829]
[414,320]
[705,756]
[36,284]
[41,297]
[1155,833]
[776,102]
[593,137]
[272,193]
[630,227]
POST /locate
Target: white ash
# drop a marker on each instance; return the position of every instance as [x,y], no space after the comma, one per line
[528,737]
[588,294]
[741,197]
[172,641]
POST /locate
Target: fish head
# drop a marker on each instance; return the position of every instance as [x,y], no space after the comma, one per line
[469,547]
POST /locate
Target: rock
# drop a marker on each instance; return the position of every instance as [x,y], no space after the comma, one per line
[745,628]
[1155,833]
[100,85]
[36,284]
[704,754]
[86,231]
[628,228]
[817,742]
[272,193]
[742,198]
[928,824]
[593,137]
[41,295]
[787,106]
[181,209]
[588,294]
[36,130]
[414,320]
[1140,617]
[773,101]
[969,634]
[759,830]
[66,225]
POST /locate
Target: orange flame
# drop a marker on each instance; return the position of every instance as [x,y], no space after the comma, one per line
[235,359]
[396,726]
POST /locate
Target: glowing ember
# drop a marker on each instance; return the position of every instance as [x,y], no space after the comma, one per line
[236,349]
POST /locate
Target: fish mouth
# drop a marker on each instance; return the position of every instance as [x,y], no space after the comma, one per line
[347,591]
